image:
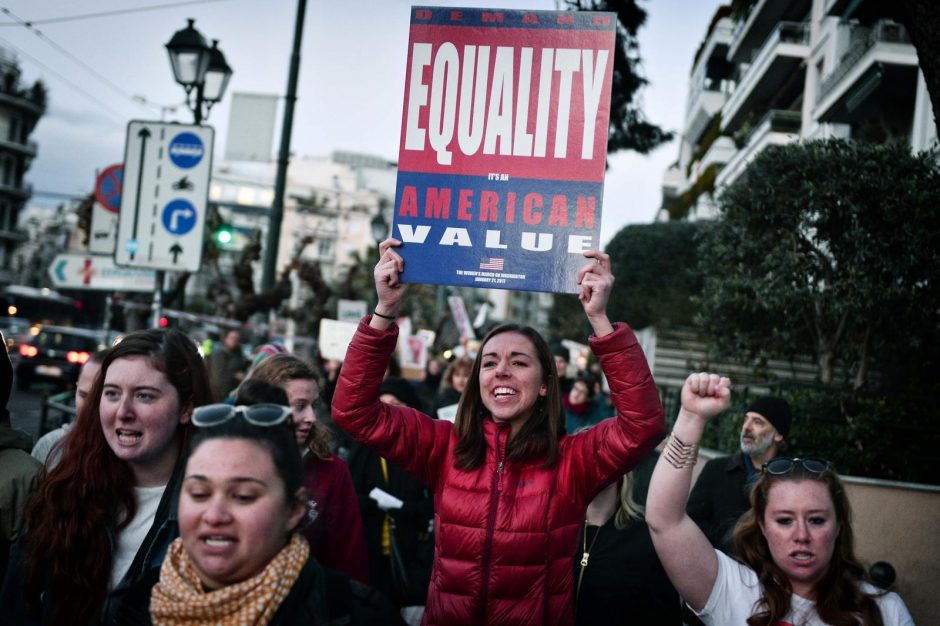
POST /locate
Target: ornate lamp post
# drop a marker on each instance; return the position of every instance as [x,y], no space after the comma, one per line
[200,69]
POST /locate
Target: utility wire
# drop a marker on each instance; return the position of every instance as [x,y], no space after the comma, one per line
[102,104]
[101,77]
[88,16]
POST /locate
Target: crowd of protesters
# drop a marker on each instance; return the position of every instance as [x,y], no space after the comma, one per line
[503,488]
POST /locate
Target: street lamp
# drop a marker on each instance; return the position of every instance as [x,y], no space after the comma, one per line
[198,67]
[379,228]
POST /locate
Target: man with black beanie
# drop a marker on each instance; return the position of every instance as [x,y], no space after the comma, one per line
[721,492]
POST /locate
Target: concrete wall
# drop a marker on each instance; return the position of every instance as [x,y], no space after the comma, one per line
[898,523]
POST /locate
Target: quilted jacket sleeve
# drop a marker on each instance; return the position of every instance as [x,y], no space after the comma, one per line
[407,437]
[593,458]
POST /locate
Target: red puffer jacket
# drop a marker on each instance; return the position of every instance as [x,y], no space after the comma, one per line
[506,533]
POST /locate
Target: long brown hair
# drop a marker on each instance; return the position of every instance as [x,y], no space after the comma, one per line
[538,437]
[839,599]
[80,502]
[280,369]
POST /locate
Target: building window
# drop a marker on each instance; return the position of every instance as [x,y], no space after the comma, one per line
[246,196]
[354,226]
[324,248]
[14,130]
[7,170]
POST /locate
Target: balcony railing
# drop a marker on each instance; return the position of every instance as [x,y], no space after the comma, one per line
[748,73]
[884,31]
[784,32]
[775,121]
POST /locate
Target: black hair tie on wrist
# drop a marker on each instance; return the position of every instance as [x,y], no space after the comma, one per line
[384,317]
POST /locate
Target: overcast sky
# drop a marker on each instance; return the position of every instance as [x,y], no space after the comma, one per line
[351,82]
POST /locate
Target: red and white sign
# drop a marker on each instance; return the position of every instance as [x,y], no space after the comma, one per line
[104,211]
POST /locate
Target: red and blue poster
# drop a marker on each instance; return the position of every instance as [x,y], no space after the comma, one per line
[503,146]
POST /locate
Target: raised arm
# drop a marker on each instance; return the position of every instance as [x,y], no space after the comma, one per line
[596,281]
[388,286]
[685,552]
[614,446]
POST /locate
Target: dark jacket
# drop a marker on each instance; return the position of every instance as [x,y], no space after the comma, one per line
[624,582]
[148,560]
[505,531]
[319,597]
[719,498]
[18,473]
[413,524]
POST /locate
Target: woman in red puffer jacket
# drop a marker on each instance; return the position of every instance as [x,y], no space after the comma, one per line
[510,486]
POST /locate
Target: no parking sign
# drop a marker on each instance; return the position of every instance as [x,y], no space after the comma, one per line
[104,211]
[108,187]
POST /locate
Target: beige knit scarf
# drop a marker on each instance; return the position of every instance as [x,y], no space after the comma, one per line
[179,600]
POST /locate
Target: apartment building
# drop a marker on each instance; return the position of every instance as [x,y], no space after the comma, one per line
[20,110]
[329,202]
[771,72]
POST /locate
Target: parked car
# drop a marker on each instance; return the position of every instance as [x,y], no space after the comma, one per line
[56,353]
[15,331]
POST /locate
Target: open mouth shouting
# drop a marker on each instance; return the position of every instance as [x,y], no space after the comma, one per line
[128,437]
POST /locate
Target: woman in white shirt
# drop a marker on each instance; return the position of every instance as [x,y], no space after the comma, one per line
[796,544]
[105,514]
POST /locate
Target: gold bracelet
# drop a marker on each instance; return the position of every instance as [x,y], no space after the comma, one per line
[680,455]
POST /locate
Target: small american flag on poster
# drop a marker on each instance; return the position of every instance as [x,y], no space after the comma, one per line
[492,264]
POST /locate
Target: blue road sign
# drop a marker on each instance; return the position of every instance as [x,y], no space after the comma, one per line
[186,150]
[179,216]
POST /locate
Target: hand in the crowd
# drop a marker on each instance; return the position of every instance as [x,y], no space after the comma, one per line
[389,288]
[705,395]
[596,281]
[385,500]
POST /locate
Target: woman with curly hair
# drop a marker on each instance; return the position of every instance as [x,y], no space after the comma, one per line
[797,564]
[336,536]
[103,517]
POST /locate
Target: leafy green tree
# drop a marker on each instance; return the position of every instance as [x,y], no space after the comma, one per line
[566,319]
[629,129]
[828,248]
[656,272]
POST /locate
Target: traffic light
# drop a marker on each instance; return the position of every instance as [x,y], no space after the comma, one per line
[223,235]
[164,322]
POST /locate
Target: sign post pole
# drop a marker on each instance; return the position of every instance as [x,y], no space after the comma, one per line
[157,306]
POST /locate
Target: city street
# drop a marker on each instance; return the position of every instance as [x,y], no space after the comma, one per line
[26,409]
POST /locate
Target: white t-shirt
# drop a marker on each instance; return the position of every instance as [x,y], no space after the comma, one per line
[737,591]
[130,539]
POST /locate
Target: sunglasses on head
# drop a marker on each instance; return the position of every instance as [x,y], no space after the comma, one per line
[257,414]
[784,465]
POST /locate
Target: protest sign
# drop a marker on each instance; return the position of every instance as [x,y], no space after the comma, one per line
[461,320]
[335,337]
[503,146]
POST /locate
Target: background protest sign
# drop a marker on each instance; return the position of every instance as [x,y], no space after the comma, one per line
[503,146]
[335,337]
